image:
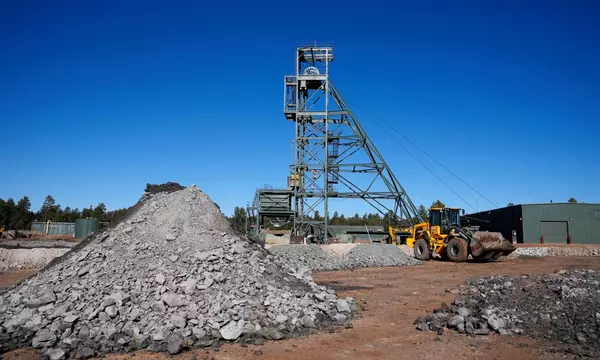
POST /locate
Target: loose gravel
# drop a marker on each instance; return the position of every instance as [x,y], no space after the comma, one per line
[28,258]
[573,250]
[172,275]
[316,258]
[530,251]
[561,309]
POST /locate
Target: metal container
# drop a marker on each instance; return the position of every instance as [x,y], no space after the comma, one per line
[84,227]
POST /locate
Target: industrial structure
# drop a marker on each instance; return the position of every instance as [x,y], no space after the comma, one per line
[334,157]
[552,223]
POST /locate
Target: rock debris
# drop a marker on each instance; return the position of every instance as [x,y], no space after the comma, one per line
[316,258]
[171,275]
[561,309]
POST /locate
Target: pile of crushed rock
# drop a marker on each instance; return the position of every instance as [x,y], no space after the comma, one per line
[573,250]
[330,258]
[172,275]
[563,307]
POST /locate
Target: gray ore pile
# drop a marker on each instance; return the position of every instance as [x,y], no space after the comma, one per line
[171,275]
[563,307]
[361,255]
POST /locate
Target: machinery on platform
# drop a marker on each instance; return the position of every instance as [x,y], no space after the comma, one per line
[442,236]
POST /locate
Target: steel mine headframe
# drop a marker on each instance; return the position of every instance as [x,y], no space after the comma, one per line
[334,157]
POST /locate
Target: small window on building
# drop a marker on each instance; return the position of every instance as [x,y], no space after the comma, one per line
[596,214]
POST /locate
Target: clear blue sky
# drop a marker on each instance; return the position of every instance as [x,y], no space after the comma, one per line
[97,98]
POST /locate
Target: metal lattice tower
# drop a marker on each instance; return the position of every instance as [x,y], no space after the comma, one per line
[334,157]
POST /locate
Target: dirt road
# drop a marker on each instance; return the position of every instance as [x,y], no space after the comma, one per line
[391,299]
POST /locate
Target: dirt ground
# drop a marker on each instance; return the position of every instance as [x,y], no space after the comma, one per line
[390,300]
[7,278]
[37,236]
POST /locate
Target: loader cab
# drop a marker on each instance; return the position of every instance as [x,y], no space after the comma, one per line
[445,219]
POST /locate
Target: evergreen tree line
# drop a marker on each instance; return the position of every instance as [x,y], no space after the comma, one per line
[19,216]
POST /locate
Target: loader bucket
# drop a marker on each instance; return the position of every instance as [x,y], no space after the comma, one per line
[490,246]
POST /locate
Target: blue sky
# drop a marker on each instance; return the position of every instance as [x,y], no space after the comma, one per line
[99,98]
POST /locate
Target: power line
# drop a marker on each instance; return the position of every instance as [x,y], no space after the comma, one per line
[423,164]
[440,164]
[431,157]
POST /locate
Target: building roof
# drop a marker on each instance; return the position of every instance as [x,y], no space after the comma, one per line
[563,203]
[536,204]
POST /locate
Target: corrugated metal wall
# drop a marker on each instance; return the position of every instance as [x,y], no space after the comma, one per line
[54,228]
[583,221]
[84,227]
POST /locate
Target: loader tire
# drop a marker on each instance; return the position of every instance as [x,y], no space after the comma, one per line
[457,250]
[421,249]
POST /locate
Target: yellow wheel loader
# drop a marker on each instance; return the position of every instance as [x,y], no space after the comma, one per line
[443,237]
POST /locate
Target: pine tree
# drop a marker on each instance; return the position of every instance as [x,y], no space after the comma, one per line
[423,213]
[335,219]
[238,221]
[99,212]
[48,210]
[438,203]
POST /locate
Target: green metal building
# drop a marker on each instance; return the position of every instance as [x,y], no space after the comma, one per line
[553,223]
[84,227]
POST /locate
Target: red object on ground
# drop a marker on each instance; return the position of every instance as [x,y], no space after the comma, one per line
[542,239]
[569,240]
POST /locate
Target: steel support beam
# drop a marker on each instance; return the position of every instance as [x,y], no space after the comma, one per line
[334,156]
